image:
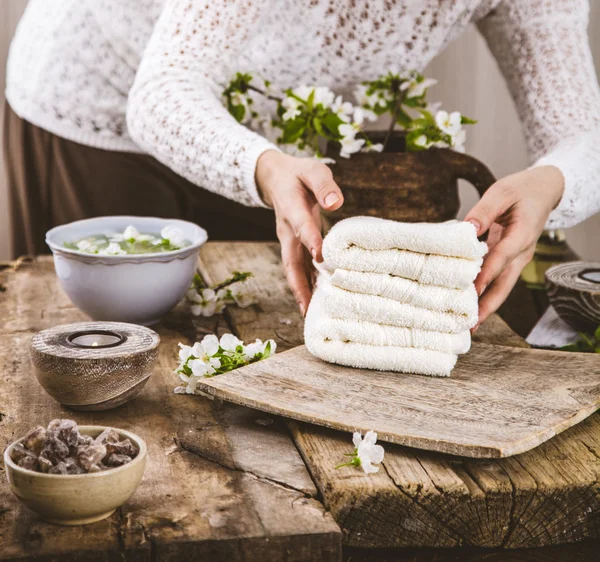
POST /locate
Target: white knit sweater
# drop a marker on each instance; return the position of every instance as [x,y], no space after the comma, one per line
[145,75]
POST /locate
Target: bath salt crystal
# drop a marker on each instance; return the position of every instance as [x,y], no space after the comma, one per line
[65,430]
[68,466]
[97,468]
[89,455]
[19,452]
[109,435]
[45,464]
[34,440]
[29,463]
[117,460]
[54,450]
[125,447]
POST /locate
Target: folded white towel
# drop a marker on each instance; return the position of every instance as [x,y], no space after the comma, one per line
[339,303]
[432,297]
[446,254]
[320,329]
[453,238]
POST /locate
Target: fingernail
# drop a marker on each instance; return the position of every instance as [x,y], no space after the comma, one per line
[313,253]
[482,290]
[302,309]
[475,328]
[331,199]
[475,224]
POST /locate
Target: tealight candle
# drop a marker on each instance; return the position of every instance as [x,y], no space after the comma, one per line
[94,365]
[95,339]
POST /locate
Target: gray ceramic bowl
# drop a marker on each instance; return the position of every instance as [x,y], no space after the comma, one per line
[77,499]
[132,288]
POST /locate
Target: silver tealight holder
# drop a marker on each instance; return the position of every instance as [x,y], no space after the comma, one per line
[94,365]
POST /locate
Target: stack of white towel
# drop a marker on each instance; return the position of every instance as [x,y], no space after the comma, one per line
[395,296]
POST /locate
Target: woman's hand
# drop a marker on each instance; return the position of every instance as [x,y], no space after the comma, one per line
[514,210]
[295,188]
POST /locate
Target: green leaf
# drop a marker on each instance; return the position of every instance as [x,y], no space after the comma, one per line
[318,127]
[293,130]
[569,347]
[587,342]
[332,122]
[467,121]
[404,120]
[238,112]
[597,334]
[310,101]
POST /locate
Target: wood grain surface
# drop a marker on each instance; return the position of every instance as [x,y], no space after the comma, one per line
[547,496]
[498,402]
[222,482]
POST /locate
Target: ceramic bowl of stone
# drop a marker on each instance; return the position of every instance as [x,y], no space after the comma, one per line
[136,288]
[77,499]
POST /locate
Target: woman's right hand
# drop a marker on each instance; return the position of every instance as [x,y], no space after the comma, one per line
[296,188]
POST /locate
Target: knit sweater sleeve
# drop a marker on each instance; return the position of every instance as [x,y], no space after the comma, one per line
[543,51]
[174,109]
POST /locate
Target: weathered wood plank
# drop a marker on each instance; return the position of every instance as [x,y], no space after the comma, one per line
[208,489]
[499,401]
[547,496]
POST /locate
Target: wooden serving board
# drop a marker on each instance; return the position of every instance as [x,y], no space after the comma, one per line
[499,401]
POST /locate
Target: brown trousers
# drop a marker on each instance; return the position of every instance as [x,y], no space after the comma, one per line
[53,181]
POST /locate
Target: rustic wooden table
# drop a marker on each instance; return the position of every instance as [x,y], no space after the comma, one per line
[235,484]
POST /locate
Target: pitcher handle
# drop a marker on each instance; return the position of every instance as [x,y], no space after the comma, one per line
[468,168]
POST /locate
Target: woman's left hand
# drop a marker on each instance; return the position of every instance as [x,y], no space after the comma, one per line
[514,210]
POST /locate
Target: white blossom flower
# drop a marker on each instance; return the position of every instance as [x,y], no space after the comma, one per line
[258,348]
[350,145]
[325,159]
[113,249]
[348,130]
[229,342]
[131,233]
[205,302]
[292,108]
[343,109]
[303,92]
[324,96]
[415,89]
[458,141]
[86,246]
[242,299]
[367,451]
[201,368]
[448,123]
[373,148]
[210,345]
[179,390]
[423,141]
[174,236]
[185,351]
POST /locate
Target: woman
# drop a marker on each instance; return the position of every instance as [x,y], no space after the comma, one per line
[94,83]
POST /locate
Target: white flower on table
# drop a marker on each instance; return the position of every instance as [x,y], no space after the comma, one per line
[366,453]
[259,348]
[229,342]
[173,235]
[113,249]
[204,302]
[242,299]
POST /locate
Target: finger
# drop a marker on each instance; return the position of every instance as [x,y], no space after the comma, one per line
[294,265]
[515,241]
[500,288]
[298,215]
[494,203]
[319,179]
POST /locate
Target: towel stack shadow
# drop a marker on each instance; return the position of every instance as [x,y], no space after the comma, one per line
[395,296]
